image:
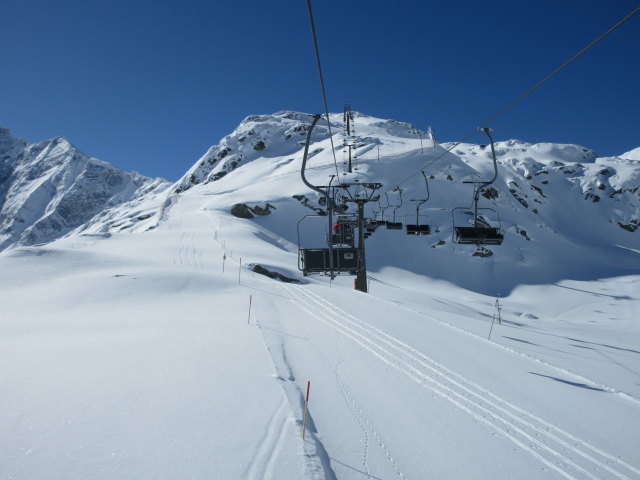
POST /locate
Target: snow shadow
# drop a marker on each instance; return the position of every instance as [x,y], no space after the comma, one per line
[521,340]
[364,474]
[597,294]
[575,384]
[602,345]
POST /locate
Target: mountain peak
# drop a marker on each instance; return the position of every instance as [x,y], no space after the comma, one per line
[50,188]
[631,154]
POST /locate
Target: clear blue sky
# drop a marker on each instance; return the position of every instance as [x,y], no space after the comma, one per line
[150,85]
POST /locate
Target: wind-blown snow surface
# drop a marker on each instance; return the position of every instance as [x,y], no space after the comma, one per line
[134,355]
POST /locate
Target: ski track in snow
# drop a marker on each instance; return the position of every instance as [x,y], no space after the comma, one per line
[315,459]
[266,457]
[188,253]
[365,424]
[558,450]
[546,363]
[357,414]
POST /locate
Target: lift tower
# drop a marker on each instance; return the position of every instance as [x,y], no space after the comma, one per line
[349,134]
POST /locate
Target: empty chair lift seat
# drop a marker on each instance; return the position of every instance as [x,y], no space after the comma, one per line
[478,235]
[394,225]
[316,260]
[418,229]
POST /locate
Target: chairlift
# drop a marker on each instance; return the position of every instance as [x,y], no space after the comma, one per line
[314,258]
[381,210]
[478,228]
[370,226]
[339,253]
[393,225]
[419,228]
[343,231]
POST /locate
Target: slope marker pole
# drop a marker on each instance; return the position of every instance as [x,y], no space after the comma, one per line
[306,408]
[239,270]
[249,316]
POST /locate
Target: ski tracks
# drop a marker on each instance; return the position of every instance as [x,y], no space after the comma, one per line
[188,251]
[266,458]
[353,406]
[556,449]
[357,413]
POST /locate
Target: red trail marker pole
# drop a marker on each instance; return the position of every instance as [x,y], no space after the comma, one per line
[306,408]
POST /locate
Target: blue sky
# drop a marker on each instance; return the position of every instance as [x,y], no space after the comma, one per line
[149,86]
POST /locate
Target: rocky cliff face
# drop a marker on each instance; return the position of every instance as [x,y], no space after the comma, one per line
[50,188]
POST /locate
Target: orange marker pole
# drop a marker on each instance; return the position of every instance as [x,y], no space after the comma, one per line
[306,408]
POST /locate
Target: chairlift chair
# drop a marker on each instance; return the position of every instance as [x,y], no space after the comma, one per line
[327,258]
[419,228]
[343,231]
[478,230]
[393,225]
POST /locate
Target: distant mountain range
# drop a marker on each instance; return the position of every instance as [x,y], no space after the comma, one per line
[561,206]
[50,189]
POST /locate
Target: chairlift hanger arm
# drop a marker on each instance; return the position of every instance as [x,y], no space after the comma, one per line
[399,190]
[316,117]
[420,202]
[486,130]
[426,182]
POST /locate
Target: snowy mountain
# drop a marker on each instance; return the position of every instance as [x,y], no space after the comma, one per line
[566,213]
[166,331]
[49,189]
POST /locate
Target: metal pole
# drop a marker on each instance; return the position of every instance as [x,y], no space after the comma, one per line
[491,329]
[361,277]
[476,197]
[306,409]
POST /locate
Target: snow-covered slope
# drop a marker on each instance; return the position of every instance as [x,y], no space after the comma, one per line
[154,350]
[50,188]
[141,356]
[566,213]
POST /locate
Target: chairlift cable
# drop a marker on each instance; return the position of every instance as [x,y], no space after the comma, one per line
[526,93]
[324,95]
